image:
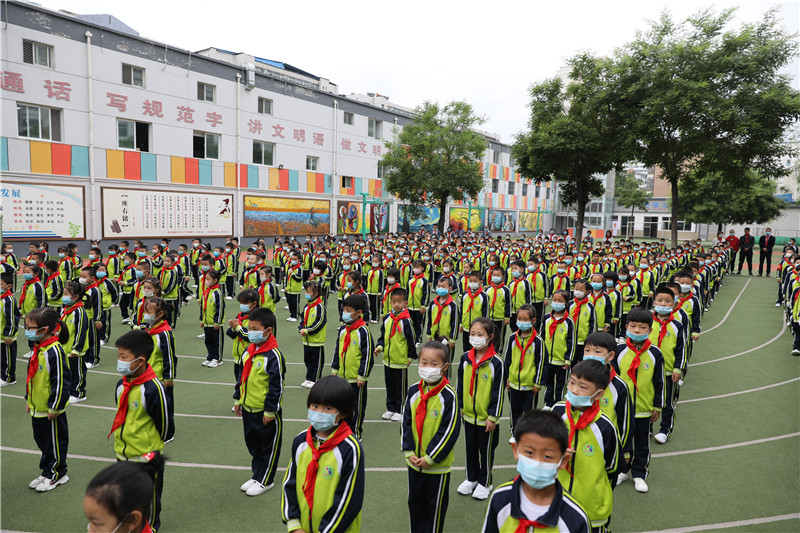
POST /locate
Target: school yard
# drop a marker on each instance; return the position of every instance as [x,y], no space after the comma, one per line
[733,460]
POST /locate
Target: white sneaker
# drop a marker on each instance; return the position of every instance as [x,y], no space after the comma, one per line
[257,488]
[189,297]
[481,492]
[397,417]
[76,399]
[4,383]
[201,336]
[467,487]
[387,415]
[777,304]
[102,343]
[290,319]
[795,352]
[247,484]
[27,355]
[661,438]
[233,410]
[206,362]
[36,482]
[90,365]
[286,307]
[640,485]
[214,363]
[229,297]
[622,478]
[126,320]
[512,440]
[49,484]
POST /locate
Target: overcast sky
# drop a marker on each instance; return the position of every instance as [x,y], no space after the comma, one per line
[487,52]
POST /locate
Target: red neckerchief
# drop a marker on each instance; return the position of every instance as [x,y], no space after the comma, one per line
[124,271]
[25,288]
[52,277]
[308,309]
[561,278]
[396,319]
[206,291]
[637,360]
[472,298]
[613,374]
[338,436]
[92,285]
[255,349]
[422,406]
[6,294]
[122,405]
[160,327]
[388,292]
[586,418]
[163,270]
[413,284]
[554,324]
[475,364]
[595,298]
[147,528]
[262,290]
[350,329]
[516,282]
[684,300]
[440,307]
[64,259]
[372,273]
[522,349]
[524,524]
[68,310]
[664,323]
[576,310]
[33,363]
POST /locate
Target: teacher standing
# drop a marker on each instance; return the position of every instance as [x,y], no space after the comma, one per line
[765,245]
[746,243]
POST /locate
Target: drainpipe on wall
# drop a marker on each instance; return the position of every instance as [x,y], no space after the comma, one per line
[92,211]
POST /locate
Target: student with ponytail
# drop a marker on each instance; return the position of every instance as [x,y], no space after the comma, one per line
[74,315]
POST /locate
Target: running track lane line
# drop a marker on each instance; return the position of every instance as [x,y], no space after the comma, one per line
[394,469]
[730,310]
[726,525]
[740,392]
[775,338]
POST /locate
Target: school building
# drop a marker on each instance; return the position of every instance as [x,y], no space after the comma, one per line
[109,135]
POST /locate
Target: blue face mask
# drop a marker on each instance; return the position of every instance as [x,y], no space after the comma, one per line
[609,283]
[66,300]
[349,285]
[594,358]
[597,285]
[32,336]
[321,421]
[578,401]
[558,306]
[148,319]
[308,297]
[139,274]
[244,308]
[496,279]
[216,254]
[141,254]
[346,317]
[516,274]
[256,337]
[524,326]
[623,278]
[663,309]
[561,270]
[205,268]
[637,337]
[124,368]
[536,474]
[62,255]
[101,275]
[442,291]
[27,276]
[568,261]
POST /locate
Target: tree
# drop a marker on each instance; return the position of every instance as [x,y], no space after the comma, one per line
[435,158]
[695,97]
[628,192]
[711,198]
[571,135]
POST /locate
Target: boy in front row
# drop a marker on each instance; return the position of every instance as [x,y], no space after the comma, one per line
[535,500]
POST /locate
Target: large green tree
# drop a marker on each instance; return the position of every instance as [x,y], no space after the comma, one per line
[629,193]
[696,96]
[436,158]
[571,135]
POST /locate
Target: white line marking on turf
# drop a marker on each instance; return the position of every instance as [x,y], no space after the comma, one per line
[726,525]
[728,446]
[740,392]
[730,310]
[775,338]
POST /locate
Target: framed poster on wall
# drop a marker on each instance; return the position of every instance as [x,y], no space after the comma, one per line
[285,216]
[36,211]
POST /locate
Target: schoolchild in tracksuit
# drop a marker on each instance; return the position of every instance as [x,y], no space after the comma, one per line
[125,282]
[540,288]
[581,311]
[474,304]
[268,293]
[418,294]
[524,359]
[53,285]
[431,426]
[78,324]
[9,326]
[258,399]
[212,314]
[170,288]
[313,328]
[374,288]
[558,334]
[615,295]
[690,304]
[47,394]
[323,489]
[601,302]
[353,357]
[31,295]
[108,297]
[481,379]
[93,303]
[144,421]
[163,359]
[237,330]
[499,297]
[294,285]
[668,336]
[443,316]
[628,297]
[397,347]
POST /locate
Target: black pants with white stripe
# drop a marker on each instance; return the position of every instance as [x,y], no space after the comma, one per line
[396,386]
[77,368]
[314,359]
[52,438]
[93,349]
[214,343]
[172,312]
[428,497]
[104,333]
[417,320]
[264,444]
[556,383]
[356,422]
[521,401]
[641,448]
[670,403]
[8,361]
[230,283]
[293,301]
[499,335]
[480,452]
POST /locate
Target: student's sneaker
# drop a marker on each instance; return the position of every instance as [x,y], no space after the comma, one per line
[126,320]
[777,304]
[622,478]
[397,417]
[36,482]
[102,343]
[247,484]
[4,383]
[90,365]
[661,438]
[467,487]
[233,410]
[481,492]
[27,355]
[214,363]
[188,298]
[387,415]
[794,352]
[286,307]
[229,297]
[307,384]
[291,319]
[640,485]
[201,336]
[206,362]
[76,399]
[373,321]
[257,488]
[512,440]
[49,484]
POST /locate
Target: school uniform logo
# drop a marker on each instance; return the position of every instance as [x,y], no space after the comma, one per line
[647,366]
[588,450]
[135,404]
[435,413]
[40,367]
[604,402]
[258,364]
[328,472]
[484,376]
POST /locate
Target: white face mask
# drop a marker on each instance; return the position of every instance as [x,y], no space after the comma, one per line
[474,286]
[477,342]
[579,294]
[390,281]
[430,374]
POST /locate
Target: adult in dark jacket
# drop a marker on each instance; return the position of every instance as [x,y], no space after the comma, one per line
[746,243]
[733,241]
[765,245]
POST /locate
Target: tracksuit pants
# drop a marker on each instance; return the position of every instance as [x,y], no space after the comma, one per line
[670,403]
[314,359]
[77,369]
[375,306]
[293,300]
[230,282]
[556,383]
[796,332]
[214,343]
[125,304]
[499,335]
[428,498]
[480,452]
[521,401]
[539,308]
[641,448]
[8,361]
[104,333]
[93,350]
[396,387]
[52,438]
[263,443]
[578,357]
[356,422]
[172,312]
[417,319]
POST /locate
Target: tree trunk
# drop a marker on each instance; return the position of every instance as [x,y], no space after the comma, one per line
[581,210]
[630,224]
[442,210]
[719,228]
[673,180]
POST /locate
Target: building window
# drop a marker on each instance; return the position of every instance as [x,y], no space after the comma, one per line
[511,187]
[347,182]
[682,225]
[206,92]
[525,189]
[39,122]
[374,128]
[133,135]
[263,153]
[496,157]
[36,53]
[264,106]
[495,186]
[381,171]
[538,191]
[349,118]
[132,75]
[312,163]
[548,193]
[206,145]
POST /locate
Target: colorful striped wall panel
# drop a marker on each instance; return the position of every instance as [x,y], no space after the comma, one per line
[3,153]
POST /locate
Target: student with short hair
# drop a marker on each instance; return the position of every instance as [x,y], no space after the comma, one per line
[397,347]
[294,285]
[212,314]
[237,329]
[581,311]
[78,325]
[418,294]
[163,358]
[53,285]
[558,336]
[499,297]
[669,336]
[524,360]
[94,308]
[109,295]
[9,327]
[474,304]
[313,329]
[443,315]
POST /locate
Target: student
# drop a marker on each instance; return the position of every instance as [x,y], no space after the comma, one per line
[78,325]
[294,285]
[429,434]
[418,293]
[392,283]
[258,397]
[354,288]
[120,497]
[230,260]
[268,293]
[540,286]
[249,278]
[443,315]
[520,290]
[561,280]
[94,309]
[313,329]
[47,395]
[212,314]
[581,311]
[53,285]
[669,336]
[499,298]
[612,281]
[558,335]
[524,359]
[31,295]
[397,346]
[145,288]
[144,420]
[329,495]
[9,326]
[163,359]
[10,263]
[628,297]
[108,297]
[65,264]
[474,304]
[594,446]
[237,330]
[536,499]
[601,302]
[126,281]
[481,378]
[641,365]
[353,356]
[690,304]
[375,287]
[170,288]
